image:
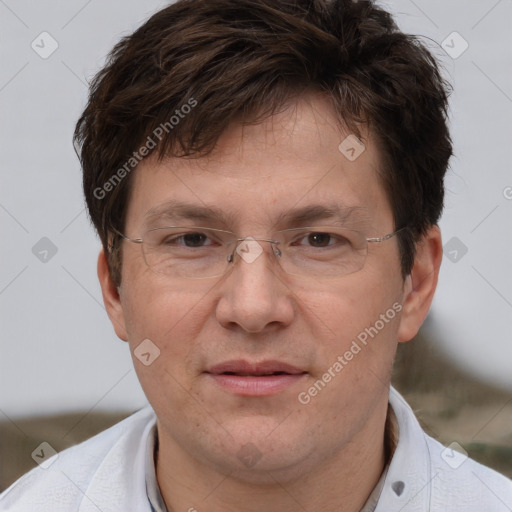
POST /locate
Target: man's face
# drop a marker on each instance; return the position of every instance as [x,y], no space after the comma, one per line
[258,314]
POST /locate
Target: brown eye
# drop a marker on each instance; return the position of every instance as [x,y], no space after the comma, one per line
[191,240]
[194,239]
[319,239]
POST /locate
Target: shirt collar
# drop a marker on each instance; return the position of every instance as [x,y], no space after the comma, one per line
[407,484]
[155,498]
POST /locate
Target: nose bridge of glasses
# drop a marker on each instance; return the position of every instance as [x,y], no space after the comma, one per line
[249,248]
[270,240]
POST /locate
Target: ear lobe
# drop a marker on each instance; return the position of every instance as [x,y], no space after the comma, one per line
[111,297]
[420,284]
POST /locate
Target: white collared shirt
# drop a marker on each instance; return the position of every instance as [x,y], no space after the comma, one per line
[114,472]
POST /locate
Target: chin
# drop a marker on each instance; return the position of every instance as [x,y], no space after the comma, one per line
[255,456]
[270,468]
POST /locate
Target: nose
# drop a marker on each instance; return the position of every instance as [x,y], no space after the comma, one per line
[254,296]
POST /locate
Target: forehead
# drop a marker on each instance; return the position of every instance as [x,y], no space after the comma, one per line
[291,168]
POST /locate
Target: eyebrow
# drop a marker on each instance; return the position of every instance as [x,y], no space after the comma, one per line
[177,210]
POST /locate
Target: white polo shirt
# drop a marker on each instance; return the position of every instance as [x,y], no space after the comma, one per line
[114,472]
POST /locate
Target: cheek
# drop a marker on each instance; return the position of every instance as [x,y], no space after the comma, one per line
[171,318]
[156,306]
[345,308]
[357,322]
[355,347]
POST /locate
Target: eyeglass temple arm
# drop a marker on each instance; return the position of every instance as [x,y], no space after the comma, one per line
[386,237]
[134,240]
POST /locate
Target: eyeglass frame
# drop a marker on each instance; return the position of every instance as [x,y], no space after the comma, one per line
[140,241]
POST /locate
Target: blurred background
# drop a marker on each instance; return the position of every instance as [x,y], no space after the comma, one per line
[63,373]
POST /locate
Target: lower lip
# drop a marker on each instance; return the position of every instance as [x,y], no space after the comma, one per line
[255,386]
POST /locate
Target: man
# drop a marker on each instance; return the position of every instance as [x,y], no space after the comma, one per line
[266,177]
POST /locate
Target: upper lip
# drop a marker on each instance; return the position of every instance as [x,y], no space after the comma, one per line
[242,367]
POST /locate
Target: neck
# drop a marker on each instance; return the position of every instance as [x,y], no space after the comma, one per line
[345,480]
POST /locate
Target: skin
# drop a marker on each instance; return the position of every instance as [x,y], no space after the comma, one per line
[315,456]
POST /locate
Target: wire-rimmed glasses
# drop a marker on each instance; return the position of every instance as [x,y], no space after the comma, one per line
[195,252]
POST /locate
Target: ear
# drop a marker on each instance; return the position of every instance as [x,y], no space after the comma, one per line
[111,297]
[421,283]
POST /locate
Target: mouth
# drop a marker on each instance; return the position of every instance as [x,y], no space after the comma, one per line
[255,379]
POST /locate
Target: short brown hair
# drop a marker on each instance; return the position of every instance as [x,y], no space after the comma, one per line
[243,60]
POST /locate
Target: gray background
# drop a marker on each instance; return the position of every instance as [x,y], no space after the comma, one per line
[58,350]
